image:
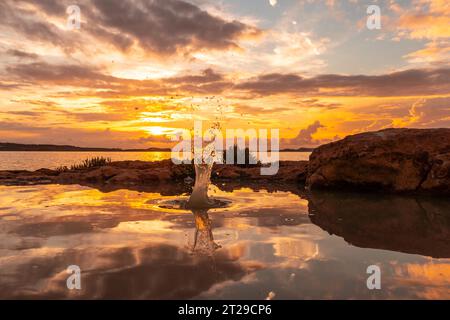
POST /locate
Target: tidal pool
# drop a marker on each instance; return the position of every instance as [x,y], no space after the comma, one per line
[277,244]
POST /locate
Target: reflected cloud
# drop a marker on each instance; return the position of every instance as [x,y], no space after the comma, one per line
[142,272]
[264,241]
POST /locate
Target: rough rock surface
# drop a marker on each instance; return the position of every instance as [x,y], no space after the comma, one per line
[148,173]
[395,160]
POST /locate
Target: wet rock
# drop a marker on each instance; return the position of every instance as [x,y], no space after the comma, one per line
[126,177]
[4,175]
[398,160]
[293,171]
[101,174]
[289,171]
[147,173]
[163,174]
[67,178]
[47,172]
[227,172]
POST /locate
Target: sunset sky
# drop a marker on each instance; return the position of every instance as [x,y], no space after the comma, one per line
[139,70]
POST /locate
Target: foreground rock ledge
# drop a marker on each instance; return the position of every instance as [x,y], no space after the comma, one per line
[148,173]
[395,160]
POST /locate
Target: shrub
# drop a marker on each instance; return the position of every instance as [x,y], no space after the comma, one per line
[62,169]
[250,159]
[91,163]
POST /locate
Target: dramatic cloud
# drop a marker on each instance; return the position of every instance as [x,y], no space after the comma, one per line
[160,26]
[429,20]
[425,113]
[245,110]
[23,21]
[304,137]
[90,77]
[436,53]
[41,72]
[410,82]
[22,54]
[167,26]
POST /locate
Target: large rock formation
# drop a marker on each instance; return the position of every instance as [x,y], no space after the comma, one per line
[398,160]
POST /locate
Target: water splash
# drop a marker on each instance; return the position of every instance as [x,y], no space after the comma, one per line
[199,197]
[203,237]
[203,162]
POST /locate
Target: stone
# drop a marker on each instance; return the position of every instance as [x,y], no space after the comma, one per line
[392,160]
[101,174]
[126,177]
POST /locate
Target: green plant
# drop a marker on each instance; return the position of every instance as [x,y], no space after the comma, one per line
[91,163]
[250,159]
[61,169]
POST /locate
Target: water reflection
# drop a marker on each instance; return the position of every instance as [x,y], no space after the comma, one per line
[267,242]
[203,237]
[418,225]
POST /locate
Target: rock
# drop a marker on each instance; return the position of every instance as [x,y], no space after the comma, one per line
[293,171]
[131,177]
[68,177]
[226,172]
[47,172]
[101,174]
[162,174]
[289,171]
[182,171]
[398,160]
[6,175]
[144,173]
[439,177]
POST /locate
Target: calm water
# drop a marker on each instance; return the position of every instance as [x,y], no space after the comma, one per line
[266,244]
[31,160]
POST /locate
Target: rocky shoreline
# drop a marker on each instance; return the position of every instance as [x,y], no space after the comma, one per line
[149,173]
[391,160]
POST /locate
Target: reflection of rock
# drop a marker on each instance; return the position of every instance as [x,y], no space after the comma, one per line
[132,173]
[274,186]
[268,217]
[289,171]
[388,160]
[152,272]
[399,223]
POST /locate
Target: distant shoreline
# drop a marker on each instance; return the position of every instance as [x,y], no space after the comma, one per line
[10,147]
[6,146]
[3,150]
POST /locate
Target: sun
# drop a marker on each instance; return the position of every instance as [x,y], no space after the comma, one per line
[160,131]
